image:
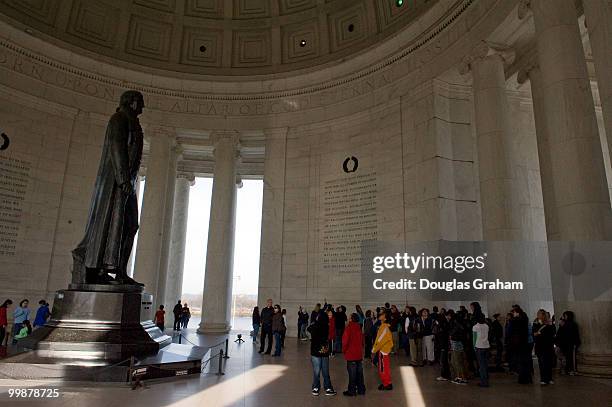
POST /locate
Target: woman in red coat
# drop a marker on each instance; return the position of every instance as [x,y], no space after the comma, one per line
[3,320]
[352,347]
[332,330]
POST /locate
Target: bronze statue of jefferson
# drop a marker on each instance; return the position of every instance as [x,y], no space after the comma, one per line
[102,256]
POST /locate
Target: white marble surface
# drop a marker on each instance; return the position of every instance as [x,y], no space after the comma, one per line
[174,286]
[217,297]
[147,268]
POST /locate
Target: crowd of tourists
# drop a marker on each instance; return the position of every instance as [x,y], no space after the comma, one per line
[272,321]
[181,313]
[22,324]
[462,344]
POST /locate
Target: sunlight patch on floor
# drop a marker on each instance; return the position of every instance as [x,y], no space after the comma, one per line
[412,388]
[231,391]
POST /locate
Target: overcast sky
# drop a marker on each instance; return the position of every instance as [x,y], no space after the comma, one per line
[248,232]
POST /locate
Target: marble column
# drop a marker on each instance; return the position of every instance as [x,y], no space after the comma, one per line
[532,73]
[577,168]
[499,199]
[504,189]
[164,258]
[272,217]
[217,295]
[174,286]
[151,233]
[598,18]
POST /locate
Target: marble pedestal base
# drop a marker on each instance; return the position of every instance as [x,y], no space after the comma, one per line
[98,323]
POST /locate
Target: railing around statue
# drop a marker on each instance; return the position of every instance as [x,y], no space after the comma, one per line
[225,342]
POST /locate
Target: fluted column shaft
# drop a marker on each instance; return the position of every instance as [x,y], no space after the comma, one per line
[533,73]
[504,187]
[161,164]
[176,267]
[217,295]
[598,15]
[582,196]
[164,258]
[496,156]
[271,247]
[577,168]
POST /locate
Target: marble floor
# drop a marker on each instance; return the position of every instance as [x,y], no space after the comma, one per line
[255,380]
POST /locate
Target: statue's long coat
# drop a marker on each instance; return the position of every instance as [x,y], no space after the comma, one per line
[113,215]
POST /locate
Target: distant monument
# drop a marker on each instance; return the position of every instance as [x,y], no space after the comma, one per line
[104,314]
[102,256]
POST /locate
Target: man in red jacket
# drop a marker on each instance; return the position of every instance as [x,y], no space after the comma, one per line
[352,348]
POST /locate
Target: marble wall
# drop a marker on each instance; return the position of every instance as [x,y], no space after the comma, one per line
[61,146]
[422,148]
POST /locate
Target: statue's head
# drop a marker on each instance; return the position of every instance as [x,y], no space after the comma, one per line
[131,101]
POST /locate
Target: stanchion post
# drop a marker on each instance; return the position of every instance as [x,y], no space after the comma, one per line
[226,348]
[180,338]
[220,371]
[131,369]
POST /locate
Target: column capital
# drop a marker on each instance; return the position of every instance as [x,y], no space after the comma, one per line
[177,150]
[486,49]
[523,73]
[187,176]
[524,8]
[231,136]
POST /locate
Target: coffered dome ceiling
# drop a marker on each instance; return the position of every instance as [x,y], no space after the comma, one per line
[217,37]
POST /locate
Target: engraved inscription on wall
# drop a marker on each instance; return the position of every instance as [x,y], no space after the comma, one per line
[13,187]
[350,220]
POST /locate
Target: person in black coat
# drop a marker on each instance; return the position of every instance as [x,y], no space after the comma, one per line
[568,340]
[544,340]
[518,331]
[256,321]
[278,329]
[403,335]
[368,334]
[340,320]
[177,311]
[470,354]
[266,327]
[442,328]
[319,354]
[302,323]
[497,336]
